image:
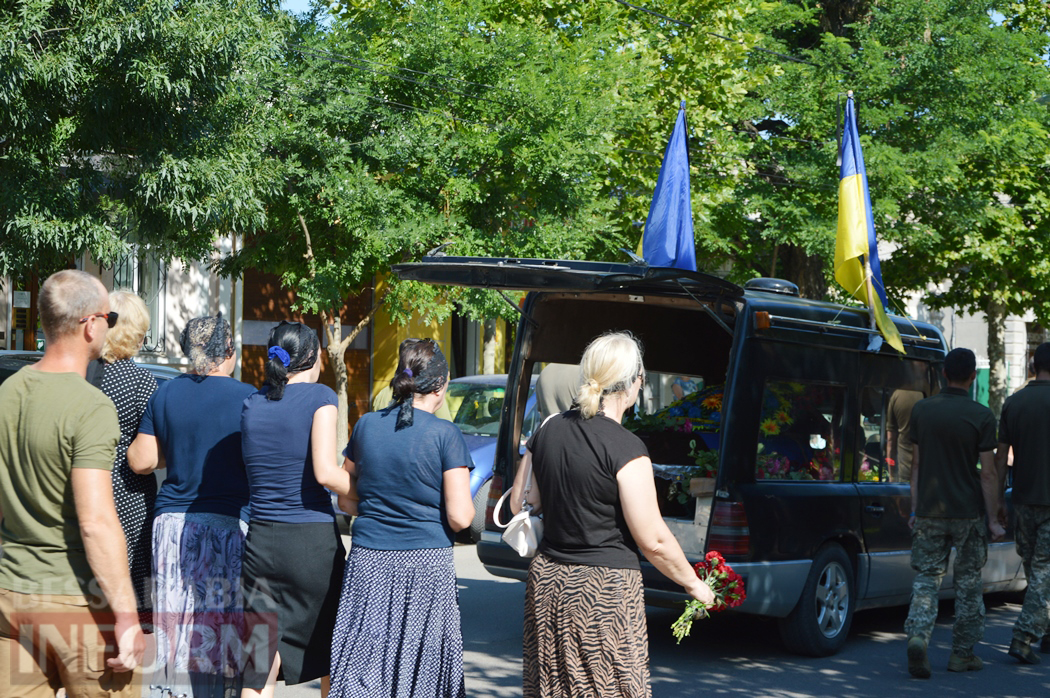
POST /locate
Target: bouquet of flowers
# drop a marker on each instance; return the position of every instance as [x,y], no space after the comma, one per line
[727,585]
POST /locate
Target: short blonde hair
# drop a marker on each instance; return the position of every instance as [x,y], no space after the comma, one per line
[125,339]
[610,365]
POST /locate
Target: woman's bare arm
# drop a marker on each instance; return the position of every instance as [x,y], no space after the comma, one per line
[655,541]
[459,506]
[347,503]
[145,454]
[324,453]
[519,485]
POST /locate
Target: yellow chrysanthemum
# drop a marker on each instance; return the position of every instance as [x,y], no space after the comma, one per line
[770,427]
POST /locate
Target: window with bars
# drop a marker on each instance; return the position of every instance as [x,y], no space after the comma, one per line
[142,272]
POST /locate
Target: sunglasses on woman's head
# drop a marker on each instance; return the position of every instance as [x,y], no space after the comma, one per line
[111,318]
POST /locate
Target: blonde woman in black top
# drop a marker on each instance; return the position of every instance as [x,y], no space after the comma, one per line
[585,630]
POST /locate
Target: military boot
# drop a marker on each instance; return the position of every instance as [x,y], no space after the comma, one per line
[918,662]
[964,662]
[1022,651]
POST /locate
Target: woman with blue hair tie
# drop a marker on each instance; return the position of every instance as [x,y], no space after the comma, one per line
[293,557]
[398,629]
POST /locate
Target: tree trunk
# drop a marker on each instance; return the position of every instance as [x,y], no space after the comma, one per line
[805,270]
[488,354]
[337,346]
[336,349]
[995,316]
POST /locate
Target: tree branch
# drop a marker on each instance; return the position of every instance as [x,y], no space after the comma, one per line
[348,340]
[309,245]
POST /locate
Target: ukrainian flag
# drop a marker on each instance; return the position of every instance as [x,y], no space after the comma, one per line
[856,251]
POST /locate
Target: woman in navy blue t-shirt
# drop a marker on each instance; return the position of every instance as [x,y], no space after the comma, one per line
[293,557]
[398,630]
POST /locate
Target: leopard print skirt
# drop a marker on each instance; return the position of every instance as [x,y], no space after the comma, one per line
[585,632]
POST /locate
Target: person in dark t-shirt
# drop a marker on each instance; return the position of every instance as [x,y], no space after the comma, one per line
[293,558]
[192,427]
[949,498]
[398,627]
[1023,426]
[594,482]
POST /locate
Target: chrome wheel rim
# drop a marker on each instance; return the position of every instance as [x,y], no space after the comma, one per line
[832,596]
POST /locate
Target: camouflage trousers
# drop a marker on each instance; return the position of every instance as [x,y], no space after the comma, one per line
[931,545]
[1032,534]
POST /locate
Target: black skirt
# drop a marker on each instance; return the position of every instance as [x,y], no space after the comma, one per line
[291,577]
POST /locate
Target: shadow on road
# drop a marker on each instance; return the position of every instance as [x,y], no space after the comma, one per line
[736,655]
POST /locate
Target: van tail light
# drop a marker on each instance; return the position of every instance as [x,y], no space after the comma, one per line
[495,492]
[729,533]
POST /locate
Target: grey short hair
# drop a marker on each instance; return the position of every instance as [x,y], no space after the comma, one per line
[65,298]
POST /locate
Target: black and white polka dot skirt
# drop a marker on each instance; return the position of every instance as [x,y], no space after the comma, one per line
[398,632]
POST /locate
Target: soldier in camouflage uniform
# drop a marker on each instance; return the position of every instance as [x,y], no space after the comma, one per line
[1023,426]
[949,497]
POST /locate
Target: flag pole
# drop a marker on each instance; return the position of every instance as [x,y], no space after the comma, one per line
[870,288]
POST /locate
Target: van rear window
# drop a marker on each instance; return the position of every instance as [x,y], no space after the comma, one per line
[800,432]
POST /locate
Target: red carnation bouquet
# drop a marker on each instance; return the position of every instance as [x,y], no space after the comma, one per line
[727,585]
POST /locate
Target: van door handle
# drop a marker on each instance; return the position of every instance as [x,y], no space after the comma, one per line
[875,509]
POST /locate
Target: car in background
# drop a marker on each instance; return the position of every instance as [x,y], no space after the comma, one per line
[476,405]
[13,360]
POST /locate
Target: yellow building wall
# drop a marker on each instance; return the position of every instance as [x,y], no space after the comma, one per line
[501,346]
[387,337]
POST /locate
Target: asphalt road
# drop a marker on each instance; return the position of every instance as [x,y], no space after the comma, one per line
[735,655]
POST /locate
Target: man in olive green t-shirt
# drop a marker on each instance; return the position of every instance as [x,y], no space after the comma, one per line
[898,433]
[1023,426]
[951,433]
[64,556]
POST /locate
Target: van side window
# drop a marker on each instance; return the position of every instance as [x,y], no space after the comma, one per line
[872,466]
[800,432]
[885,452]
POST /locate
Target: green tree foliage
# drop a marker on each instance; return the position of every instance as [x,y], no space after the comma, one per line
[400,127]
[954,130]
[120,121]
[693,50]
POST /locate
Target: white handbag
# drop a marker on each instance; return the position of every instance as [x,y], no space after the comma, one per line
[524,531]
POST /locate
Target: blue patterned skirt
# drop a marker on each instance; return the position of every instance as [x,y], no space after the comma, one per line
[197,607]
[398,632]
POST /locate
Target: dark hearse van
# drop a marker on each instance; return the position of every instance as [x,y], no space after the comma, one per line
[766,418]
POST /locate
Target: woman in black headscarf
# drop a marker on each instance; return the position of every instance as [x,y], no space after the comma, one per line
[397,629]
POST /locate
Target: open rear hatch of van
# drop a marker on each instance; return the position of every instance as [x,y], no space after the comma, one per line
[685,321]
[509,273]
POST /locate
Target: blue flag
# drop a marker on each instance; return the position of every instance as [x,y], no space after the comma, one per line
[668,237]
[856,250]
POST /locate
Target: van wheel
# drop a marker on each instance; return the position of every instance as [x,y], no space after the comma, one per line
[481,502]
[819,624]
